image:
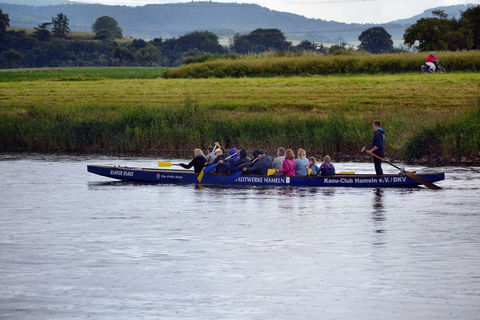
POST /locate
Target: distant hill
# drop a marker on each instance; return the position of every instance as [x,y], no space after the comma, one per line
[452,11]
[37,3]
[173,20]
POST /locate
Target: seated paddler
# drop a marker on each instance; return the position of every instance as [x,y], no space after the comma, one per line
[260,166]
[242,161]
[198,161]
[327,168]
[220,158]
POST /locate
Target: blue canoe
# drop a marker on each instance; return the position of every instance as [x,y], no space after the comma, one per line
[187,177]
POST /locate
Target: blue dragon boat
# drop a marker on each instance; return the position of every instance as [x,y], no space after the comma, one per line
[153,175]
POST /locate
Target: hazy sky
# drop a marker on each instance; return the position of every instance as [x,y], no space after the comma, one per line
[376,11]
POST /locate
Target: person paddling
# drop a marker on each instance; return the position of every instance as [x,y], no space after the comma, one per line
[243,161]
[210,157]
[378,146]
[197,163]
[261,166]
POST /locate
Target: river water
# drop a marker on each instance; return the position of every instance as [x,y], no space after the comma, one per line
[77,245]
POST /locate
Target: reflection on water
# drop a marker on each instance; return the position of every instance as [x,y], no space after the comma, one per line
[378,205]
[76,245]
[378,216]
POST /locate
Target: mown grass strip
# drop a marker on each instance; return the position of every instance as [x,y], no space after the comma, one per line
[80,74]
[360,93]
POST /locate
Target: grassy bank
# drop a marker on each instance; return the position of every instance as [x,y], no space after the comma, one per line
[413,93]
[80,74]
[309,64]
[322,114]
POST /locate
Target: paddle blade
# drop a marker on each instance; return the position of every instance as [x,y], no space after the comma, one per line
[210,168]
[164,164]
[270,172]
[423,181]
[235,176]
[200,175]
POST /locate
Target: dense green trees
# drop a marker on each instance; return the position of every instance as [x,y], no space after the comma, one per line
[376,40]
[12,57]
[471,20]
[60,26]
[442,33]
[106,28]
[4,21]
[260,40]
[42,32]
[190,45]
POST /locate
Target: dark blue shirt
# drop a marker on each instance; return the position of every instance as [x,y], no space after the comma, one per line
[379,141]
[261,166]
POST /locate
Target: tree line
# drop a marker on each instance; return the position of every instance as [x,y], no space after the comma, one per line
[50,45]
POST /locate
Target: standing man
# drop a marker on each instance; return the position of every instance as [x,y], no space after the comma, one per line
[378,146]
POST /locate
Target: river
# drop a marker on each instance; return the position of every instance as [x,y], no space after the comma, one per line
[77,245]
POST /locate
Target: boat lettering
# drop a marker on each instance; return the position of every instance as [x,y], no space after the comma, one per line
[250,179]
[368,180]
[274,180]
[170,176]
[121,173]
[341,180]
[277,180]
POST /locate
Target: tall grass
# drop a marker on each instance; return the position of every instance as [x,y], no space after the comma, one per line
[310,64]
[449,138]
[87,128]
[140,128]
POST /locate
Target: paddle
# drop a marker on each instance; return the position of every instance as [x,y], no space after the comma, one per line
[167,164]
[409,174]
[201,174]
[239,173]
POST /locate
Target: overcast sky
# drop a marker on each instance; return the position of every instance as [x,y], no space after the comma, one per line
[375,11]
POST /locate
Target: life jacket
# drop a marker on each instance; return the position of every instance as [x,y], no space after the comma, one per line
[313,169]
[327,169]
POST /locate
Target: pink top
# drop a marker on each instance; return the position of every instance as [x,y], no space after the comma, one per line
[431,58]
[288,168]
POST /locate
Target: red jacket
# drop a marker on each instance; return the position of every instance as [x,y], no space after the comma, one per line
[431,58]
[288,168]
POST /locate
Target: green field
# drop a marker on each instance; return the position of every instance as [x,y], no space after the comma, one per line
[324,114]
[80,74]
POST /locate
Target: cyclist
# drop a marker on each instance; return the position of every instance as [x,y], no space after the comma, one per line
[431,62]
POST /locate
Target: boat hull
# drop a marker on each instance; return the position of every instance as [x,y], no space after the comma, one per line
[186,177]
